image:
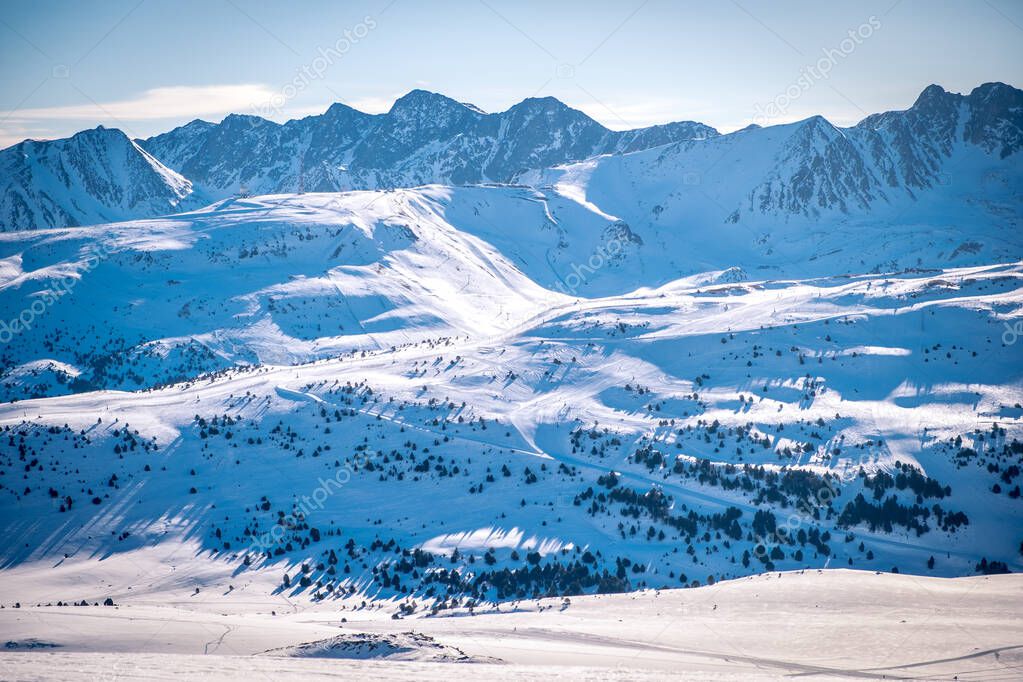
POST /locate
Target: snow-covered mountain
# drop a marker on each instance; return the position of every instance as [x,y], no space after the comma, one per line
[101,176]
[96,176]
[946,154]
[424,138]
[944,151]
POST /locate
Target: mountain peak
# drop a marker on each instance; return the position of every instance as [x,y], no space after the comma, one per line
[993,90]
[238,120]
[339,114]
[101,131]
[816,120]
[339,109]
[996,118]
[95,176]
[542,103]
[417,100]
[816,124]
[931,95]
[550,108]
[101,137]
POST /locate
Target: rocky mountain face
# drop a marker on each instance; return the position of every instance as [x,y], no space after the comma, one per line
[910,147]
[424,138]
[95,176]
[100,176]
[901,152]
[895,154]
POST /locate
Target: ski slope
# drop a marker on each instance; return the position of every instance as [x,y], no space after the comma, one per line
[395,395]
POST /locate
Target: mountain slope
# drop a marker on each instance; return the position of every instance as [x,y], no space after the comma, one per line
[93,177]
[296,278]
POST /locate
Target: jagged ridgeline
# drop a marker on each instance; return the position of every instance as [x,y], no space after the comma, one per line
[807,168]
[101,176]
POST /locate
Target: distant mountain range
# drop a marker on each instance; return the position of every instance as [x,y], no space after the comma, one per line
[425,138]
[804,169]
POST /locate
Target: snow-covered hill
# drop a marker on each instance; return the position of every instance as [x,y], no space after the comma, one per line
[96,176]
[295,278]
[408,394]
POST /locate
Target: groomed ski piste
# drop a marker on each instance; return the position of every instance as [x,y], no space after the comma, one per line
[297,427]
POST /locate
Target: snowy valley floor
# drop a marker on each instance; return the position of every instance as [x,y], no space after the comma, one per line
[812,624]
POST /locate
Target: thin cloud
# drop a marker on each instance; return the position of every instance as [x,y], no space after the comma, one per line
[13,133]
[158,103]
[621,114]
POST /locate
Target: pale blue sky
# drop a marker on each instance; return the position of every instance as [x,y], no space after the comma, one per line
[148,66]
